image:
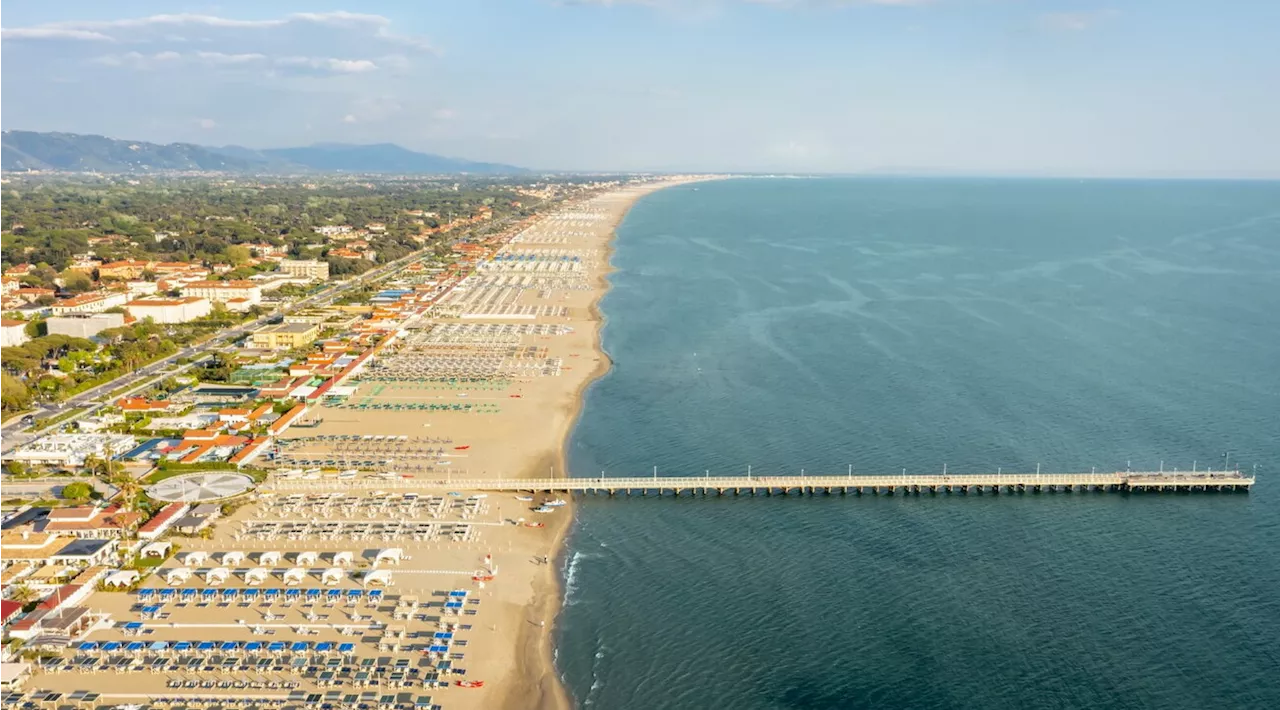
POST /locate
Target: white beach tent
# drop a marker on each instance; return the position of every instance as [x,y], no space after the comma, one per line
[391,554]
[121,578]
[157,549]
[346,558]
[216,576]
[195,558]
[234,558]
[176,576]
[294,576]
[256,576]
[270,558]
[307,559]
[332,576]
[378,576]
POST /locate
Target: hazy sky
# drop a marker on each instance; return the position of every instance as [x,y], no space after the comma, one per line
[1109,87]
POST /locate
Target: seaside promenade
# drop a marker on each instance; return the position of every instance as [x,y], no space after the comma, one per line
[856,484]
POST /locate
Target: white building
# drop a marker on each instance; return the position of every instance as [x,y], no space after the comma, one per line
[225,291]
[141,288]
[170,310]
[84,325]
[71,450]
[13,332]
[88,303]
[306,268]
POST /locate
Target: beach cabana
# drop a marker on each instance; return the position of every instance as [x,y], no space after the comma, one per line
[332,576]
[377,576]
[121,578]
[195,558]
[270,558]
[294,576]
[157,549]
[176,576]
[217,576]
[232,559]
[307,559]
[256,576]
[346,558]
[392,554]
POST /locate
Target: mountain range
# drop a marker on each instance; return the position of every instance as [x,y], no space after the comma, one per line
[32,150]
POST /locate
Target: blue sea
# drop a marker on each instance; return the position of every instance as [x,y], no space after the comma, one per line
[884,324]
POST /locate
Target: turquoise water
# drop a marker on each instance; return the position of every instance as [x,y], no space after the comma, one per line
[817,324]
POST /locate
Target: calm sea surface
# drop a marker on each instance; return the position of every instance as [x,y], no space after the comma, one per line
[817,324]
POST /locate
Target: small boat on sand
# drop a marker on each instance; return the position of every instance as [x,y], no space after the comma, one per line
[524,497]
[470,684]
[462,448]
[555,503]
[544,509]
[535,525]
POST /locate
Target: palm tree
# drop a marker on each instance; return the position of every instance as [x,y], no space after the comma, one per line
[22,593]
[129,489]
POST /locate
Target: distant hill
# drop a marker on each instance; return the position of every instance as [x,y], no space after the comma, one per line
[30,150]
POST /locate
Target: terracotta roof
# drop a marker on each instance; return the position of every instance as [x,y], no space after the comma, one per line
[9,609]
[166,513]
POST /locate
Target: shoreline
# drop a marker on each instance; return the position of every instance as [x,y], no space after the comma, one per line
[536,657]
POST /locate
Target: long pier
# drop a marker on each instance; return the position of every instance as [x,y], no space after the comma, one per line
[975,483]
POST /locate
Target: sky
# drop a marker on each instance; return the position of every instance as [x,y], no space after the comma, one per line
[1048,87]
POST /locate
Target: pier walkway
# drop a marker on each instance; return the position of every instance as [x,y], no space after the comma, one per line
[856,484]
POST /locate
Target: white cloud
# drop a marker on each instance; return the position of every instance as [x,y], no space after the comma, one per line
[55,33]
[444,114]
[207,123]
[328,64]
[349,118]
[369,28]
[1074,21]
[220,58]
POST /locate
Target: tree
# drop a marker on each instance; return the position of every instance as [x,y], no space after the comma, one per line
[127,485]
[14,394]
[237,254]
[78,491]
[16,468]
[23,593]
[76,281]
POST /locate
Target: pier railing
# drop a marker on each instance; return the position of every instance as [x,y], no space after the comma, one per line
[857,483]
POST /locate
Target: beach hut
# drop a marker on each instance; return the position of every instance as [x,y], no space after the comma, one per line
[121,579]
[294,576]
[217,576]
[256,576]
[176,576]
[392,554]
[157,550]
[195,558]
[307,559]
[332,576]
[233,558]
[270,558]
[377,576]
[346,558]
